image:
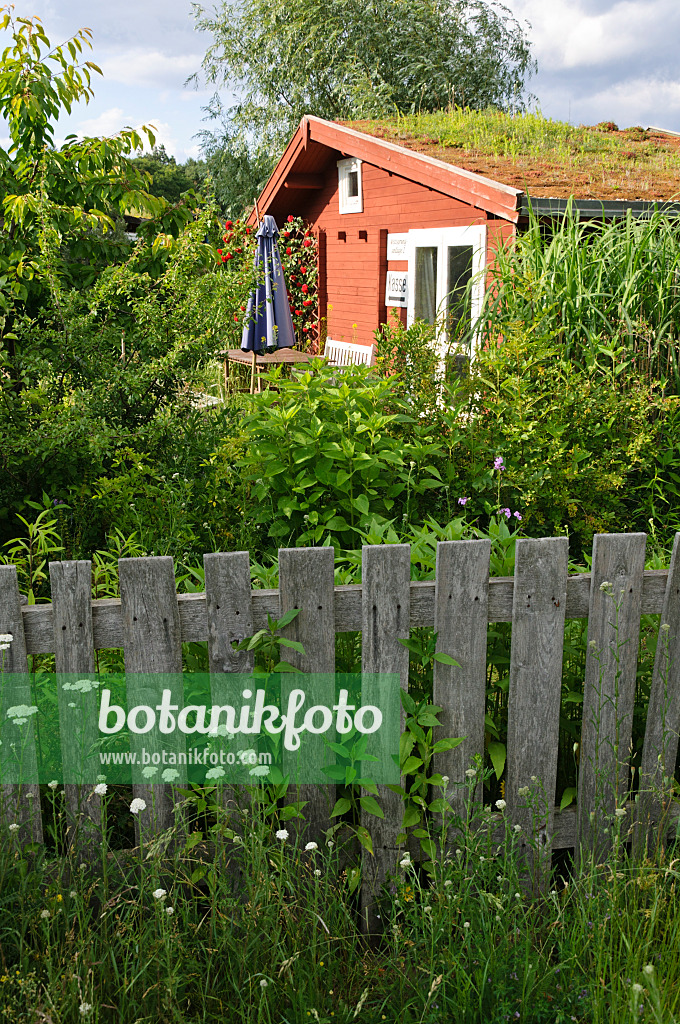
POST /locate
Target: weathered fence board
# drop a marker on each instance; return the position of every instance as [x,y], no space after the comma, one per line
[460,621]
[71,585]
[108,629]
[306,578]
[230,620]
[609,690]
[150,622]
[385,574]
[20,803]
[660,750]
[152,645]
[228,611]
[534,694]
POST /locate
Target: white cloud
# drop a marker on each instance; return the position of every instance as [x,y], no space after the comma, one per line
[190,152]
[109,122]
[566,35]
[150,68]
[642,100]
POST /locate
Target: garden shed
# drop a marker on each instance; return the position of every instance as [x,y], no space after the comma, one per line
[406,216]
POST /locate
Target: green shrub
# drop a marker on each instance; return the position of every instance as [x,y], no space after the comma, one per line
[580,451]
[330,450]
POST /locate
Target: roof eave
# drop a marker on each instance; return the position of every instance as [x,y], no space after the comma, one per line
[477,190]
[595,209]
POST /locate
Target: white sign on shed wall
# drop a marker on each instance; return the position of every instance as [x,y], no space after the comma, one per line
[396,247]
[396,289]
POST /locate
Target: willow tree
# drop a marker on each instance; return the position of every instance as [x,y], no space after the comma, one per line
[338,59]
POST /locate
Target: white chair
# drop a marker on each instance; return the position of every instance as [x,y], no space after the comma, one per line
[344,353]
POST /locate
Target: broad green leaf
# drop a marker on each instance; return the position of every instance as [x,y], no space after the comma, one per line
[361,503]
[285,619]
[568,797]
[341,807]
[408,703]
[497,754]
[447,744]
[365,839]
[429,848]
[445,659]
[371,806]
[412,817]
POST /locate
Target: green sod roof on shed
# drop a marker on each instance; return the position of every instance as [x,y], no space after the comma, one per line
[544,158]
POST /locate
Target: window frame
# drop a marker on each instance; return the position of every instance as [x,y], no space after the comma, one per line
[473,235]
[347,203]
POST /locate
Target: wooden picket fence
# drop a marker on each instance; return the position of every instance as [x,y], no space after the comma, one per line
[150,622]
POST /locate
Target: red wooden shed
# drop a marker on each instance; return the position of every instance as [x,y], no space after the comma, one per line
[400,225]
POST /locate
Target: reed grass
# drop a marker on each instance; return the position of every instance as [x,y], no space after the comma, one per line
[607,293]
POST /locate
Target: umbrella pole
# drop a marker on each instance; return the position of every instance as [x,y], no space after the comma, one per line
[252,373]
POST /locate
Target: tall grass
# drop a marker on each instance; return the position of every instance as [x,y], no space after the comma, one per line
[243,925]
[609,293]
[524,138]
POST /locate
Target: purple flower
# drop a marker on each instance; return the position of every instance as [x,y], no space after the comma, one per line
[463,501]
[517,516]
[506,511]
[498,463]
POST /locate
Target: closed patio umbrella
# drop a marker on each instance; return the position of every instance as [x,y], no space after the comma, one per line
[268,322]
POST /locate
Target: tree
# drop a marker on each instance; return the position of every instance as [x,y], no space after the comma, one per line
[355,58]
[60,206]
[170,180]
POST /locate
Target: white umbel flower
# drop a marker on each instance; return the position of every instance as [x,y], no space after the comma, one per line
[137,805]
[282,834]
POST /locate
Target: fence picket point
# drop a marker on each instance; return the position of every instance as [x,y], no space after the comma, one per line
[385,573]
[152,645]
[660,748]
[20,803]
[229,620]
[609,689]
[460,621]
[534,695]
[306,578]
[71,586]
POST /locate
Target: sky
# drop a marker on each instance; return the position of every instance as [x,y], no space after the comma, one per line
[598,61]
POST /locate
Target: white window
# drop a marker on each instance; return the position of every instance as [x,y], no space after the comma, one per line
[441,263]
[349,186]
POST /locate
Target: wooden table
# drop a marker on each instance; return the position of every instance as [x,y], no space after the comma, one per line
[257,362]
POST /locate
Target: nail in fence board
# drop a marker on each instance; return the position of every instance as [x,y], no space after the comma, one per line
[538,614]
[229,611]
[71,586]
[460,621]
[306,580]
[385,574]
[152,645]
[20,803]
[660,750]
[609,690]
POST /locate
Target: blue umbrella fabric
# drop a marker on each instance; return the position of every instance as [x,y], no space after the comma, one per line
[268,321]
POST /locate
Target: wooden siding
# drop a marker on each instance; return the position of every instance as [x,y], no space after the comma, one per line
[401,192]
[354,286]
